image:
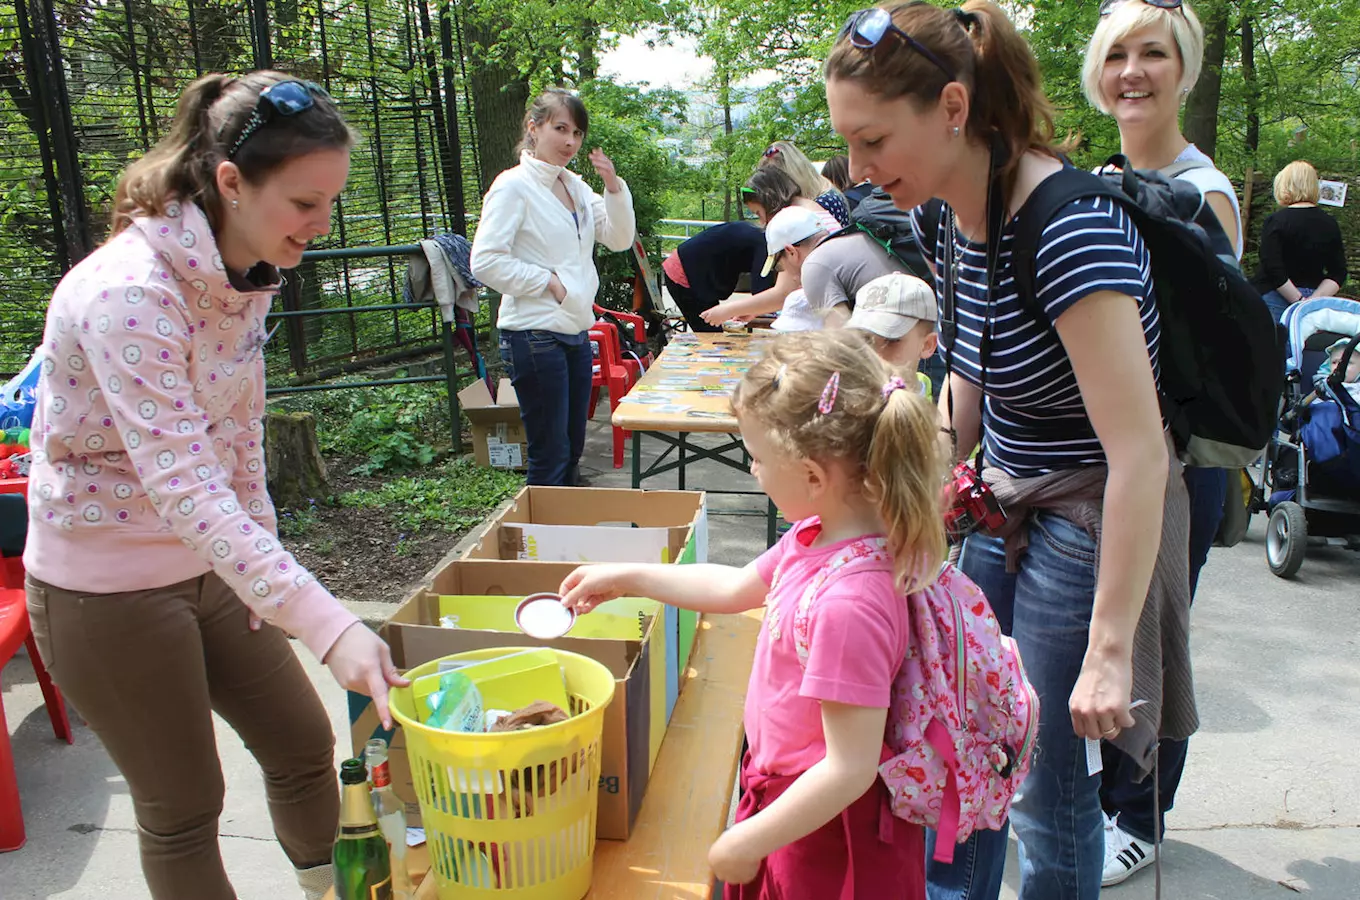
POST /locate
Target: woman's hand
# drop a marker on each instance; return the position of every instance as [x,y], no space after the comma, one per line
[1100,700]
[732,861]
[361,661]
[557,289]
[604,167]
[589,586]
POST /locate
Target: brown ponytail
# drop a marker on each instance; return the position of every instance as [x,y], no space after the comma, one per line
[210,115]
[981,47]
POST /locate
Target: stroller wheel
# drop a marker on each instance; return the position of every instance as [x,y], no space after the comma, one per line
[1286,539]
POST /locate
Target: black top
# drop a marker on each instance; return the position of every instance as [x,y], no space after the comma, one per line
[717,256]
[1301,244]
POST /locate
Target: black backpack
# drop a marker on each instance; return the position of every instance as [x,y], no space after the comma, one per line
[876,216]
[1222,354]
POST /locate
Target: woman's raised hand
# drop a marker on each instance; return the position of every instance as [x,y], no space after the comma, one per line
[604,167]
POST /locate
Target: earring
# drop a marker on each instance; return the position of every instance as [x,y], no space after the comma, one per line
[236,204]
[956,131]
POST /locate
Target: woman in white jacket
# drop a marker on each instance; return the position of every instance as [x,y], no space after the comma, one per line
[535,245]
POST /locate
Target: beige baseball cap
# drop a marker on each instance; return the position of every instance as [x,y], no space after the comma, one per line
[891,305]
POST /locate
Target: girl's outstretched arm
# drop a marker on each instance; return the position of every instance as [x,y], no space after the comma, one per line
[706,588]
[854,742]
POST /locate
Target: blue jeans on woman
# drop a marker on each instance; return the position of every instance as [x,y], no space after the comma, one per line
[1046,607]
[551,373]
[1277,304]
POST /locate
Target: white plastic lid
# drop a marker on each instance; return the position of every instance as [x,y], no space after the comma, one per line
[544,617]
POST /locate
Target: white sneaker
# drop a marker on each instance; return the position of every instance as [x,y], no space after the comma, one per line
[1124,854]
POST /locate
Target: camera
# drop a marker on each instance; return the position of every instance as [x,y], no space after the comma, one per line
[970,504]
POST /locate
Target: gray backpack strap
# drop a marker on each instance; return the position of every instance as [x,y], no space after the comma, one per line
[1177,169]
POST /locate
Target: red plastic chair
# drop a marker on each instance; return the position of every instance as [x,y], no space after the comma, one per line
[14,631]
[612,374]
[639,327]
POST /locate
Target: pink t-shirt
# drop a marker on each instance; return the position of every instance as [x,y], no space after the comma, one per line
[857,638]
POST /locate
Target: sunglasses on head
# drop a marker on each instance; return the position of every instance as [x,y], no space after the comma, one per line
[1108,6]
[284,98]
[867,28]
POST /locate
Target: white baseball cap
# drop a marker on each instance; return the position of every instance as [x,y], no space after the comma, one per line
[786,228]
[891,305]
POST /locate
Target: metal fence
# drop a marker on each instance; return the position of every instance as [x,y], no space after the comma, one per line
[88,85]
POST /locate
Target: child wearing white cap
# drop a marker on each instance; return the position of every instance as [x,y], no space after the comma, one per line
[898,314]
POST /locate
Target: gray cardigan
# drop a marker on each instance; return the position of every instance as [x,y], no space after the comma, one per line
[1161,644]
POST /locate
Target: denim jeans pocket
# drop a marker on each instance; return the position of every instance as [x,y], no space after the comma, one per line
[1066,538]
[507,354]
[541,341]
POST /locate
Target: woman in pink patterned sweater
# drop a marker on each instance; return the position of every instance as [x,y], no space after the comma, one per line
[153,552]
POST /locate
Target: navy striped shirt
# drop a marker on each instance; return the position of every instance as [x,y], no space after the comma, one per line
[1034,421]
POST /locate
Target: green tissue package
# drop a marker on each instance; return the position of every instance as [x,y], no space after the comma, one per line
[456,705]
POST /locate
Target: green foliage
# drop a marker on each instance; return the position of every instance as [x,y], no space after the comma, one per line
[454,497]
[295,523]
[393,429]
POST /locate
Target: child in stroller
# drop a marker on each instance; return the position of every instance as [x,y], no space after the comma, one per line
[1312,469]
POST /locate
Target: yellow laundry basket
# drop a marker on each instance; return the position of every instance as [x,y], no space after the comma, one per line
[511,816]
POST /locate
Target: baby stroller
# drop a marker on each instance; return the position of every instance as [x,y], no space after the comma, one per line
[1311,480]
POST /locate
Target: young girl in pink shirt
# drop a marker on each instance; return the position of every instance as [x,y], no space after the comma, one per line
[848,451]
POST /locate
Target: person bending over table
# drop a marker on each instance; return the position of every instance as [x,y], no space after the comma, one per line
[535,244]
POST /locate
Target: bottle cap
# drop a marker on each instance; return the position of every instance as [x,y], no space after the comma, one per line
[544,617]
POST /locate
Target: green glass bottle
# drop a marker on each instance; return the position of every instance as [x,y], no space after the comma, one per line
[363,868]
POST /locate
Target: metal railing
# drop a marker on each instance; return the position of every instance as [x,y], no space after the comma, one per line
[690,226]
[292,319]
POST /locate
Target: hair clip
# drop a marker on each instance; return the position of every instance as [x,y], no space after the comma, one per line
[965,18]
[894,383]
[779,373]
[771,150]
[828,401]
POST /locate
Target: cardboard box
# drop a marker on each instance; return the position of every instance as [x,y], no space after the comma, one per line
[576,523]
[634,723]
[498,438]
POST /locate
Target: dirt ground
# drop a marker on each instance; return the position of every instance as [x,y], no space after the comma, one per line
[359,554]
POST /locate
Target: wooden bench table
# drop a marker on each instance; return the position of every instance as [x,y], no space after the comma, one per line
[690,790]
[695,371]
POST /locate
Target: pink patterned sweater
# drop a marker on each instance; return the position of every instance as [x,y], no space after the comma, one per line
[148,468]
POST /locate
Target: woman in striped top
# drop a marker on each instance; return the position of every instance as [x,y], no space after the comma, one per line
[1061,393]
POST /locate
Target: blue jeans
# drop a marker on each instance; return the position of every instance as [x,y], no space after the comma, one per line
[1277,304]
[551,373]
[1056,816]
[1121,792]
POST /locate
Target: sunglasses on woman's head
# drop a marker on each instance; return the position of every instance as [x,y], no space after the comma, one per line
[867,28]
[284,98]
[1108,6]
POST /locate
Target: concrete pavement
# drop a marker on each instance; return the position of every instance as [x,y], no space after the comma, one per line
[1269,808]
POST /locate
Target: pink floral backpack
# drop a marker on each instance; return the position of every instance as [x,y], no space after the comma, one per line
[963,717]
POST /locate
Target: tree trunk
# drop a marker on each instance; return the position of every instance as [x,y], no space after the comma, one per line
[295,472]
[499,97]
[587,52]
[1253,142]
[727,144]
[1201,107]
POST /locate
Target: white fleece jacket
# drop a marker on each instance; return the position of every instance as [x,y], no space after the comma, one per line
[526,234]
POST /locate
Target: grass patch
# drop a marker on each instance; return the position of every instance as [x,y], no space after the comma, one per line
[452,497]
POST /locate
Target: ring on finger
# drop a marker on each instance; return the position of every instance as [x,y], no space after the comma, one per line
[1108,732]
